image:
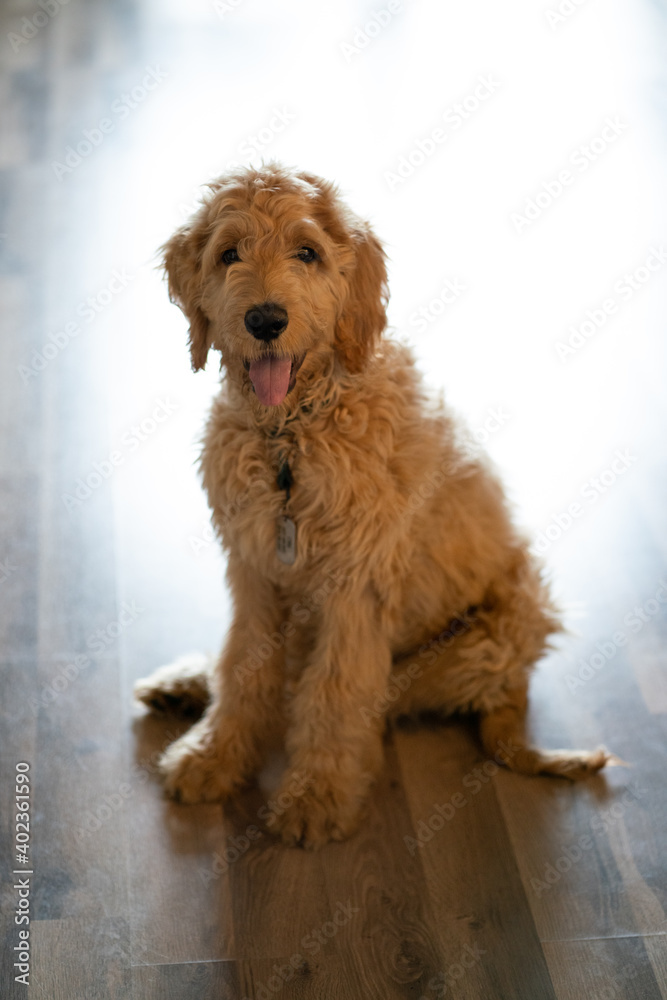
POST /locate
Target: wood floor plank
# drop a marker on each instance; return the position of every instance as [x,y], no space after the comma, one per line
[586,693]
[318,978]
[19,630]
[174,847]
[380,922]
[645,900]
[20,399]
[189,981]
[80,756]
[276,894]
[230,883]
[566,844]
[481,914]
[615,968]
[19,571]
[83,800]
[78,958]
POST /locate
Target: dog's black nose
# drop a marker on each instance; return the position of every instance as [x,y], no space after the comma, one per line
[266,321]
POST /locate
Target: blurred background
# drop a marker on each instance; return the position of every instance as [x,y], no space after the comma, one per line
[496,265]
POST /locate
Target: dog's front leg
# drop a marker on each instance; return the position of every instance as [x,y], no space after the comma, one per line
[222,751]
[334,739]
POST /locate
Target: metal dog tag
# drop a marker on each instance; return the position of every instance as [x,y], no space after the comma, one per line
[286,539]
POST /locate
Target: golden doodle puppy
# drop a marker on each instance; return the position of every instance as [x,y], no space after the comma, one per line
[373,565]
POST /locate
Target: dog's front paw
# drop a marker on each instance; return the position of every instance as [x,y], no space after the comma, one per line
[314,817]
[182,686]
[196,768]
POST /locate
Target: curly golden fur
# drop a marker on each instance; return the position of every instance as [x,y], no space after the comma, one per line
[411,589]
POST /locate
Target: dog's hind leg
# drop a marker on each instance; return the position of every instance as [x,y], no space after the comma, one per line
[482,664]
[503,737]
[452,684]
[182,686]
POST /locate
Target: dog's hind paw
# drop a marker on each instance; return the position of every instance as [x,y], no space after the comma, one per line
[575,764]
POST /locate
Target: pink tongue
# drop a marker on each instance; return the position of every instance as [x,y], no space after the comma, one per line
[270,377]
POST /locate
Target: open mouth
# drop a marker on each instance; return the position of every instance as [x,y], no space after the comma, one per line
[273,377]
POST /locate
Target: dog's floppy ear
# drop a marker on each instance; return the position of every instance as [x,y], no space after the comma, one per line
[363,316]
[182,264]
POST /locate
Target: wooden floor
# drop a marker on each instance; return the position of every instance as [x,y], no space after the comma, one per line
[465,881]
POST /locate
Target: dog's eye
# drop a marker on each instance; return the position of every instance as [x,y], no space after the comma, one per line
[306,254]
[229,256]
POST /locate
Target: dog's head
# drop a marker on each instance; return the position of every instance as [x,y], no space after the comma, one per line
[276,273]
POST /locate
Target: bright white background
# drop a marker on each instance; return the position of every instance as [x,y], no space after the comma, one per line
[355,112]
